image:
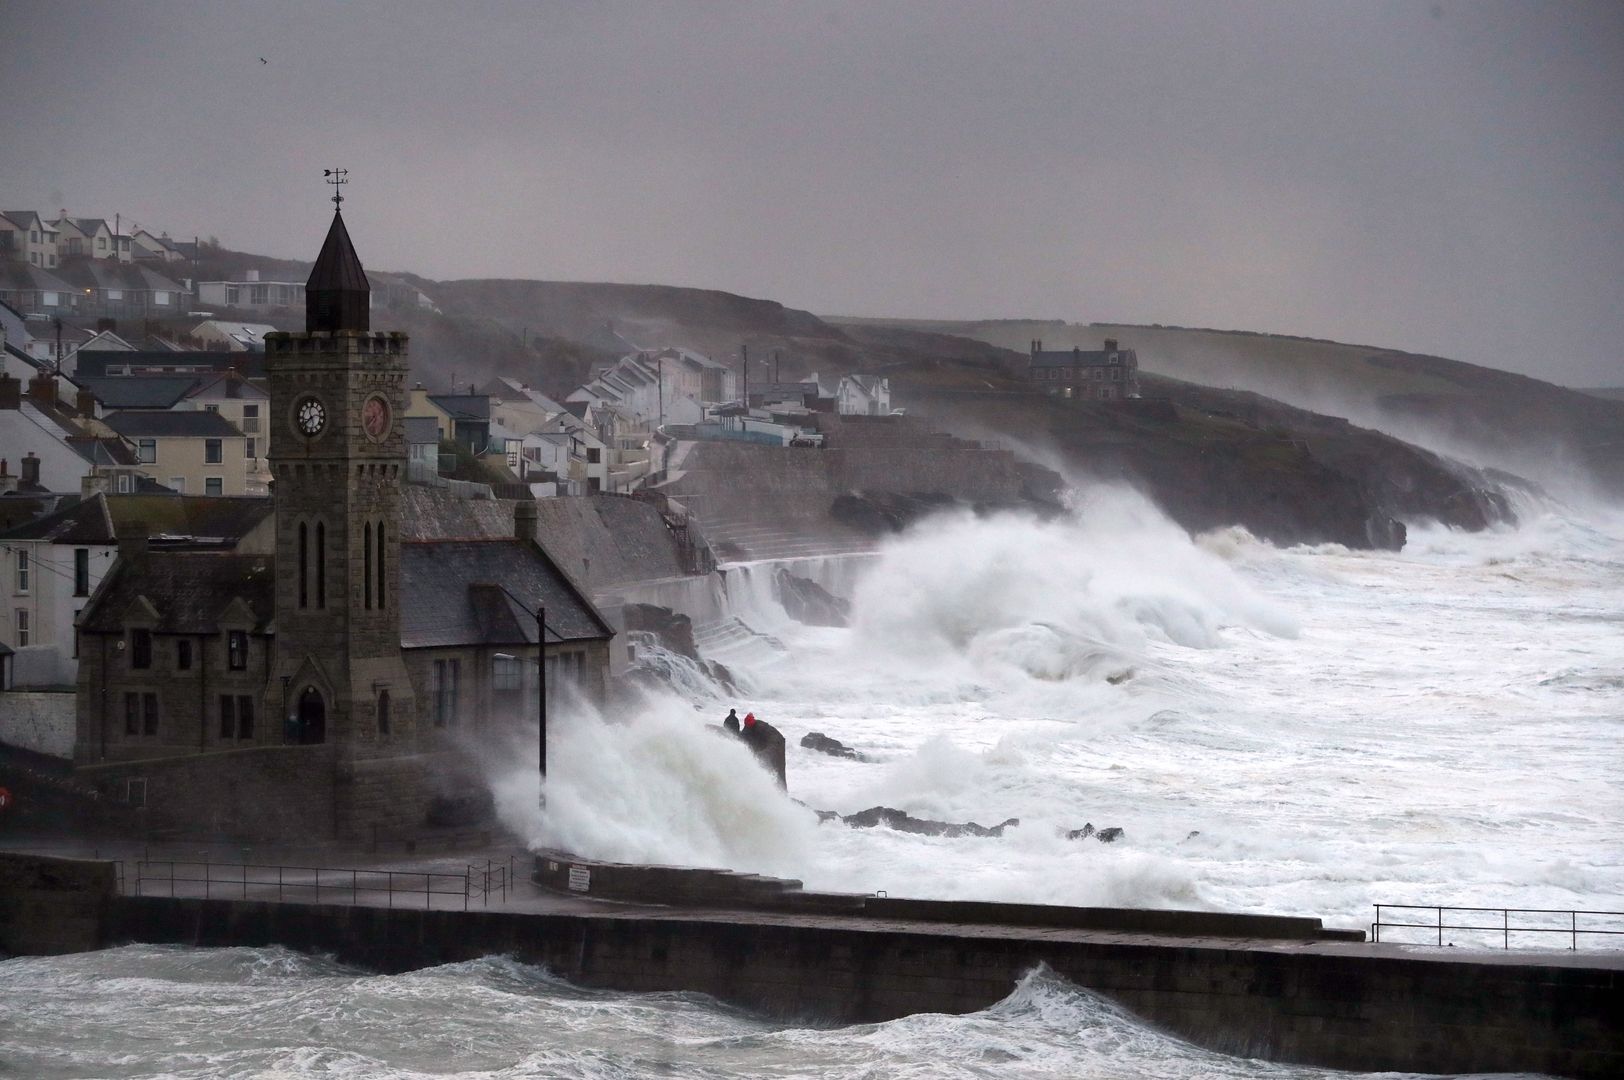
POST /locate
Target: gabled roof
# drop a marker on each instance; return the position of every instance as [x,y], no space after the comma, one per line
[182,424]
[138,391]
[190,590]
[81,521]
[1081,357]
[448,595]
[104,452]
[463,406]
[26,277]
[224,384]
[23,217]
[216,517]
[96,362]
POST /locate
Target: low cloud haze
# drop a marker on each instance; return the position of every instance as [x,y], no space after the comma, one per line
[1443,177]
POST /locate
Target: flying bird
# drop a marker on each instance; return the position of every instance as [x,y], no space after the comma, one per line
[263,60]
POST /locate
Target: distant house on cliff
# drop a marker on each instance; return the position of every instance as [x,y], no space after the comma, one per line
[1108,374]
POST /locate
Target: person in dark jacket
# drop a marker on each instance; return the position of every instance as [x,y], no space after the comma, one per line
[732,721]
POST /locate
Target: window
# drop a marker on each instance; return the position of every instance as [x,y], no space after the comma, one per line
[123,483]
[379,538]
[228,716]
[101,243]
[321,564]
[245,716]
[160,297]
[22,627]
[177,484]
[140,649]
[213,485]
[22,570]
[248,449]
[76,613]
[183,655]
[132,714]
[231,296]
[366,566]
[146,451]
[149,714]
[258,294]
[237,650]
[250,419]
[304,565]
[33,236]
[211,408]
[81,571]
[383,712]
[113,294]
[506,673]
[443,689]
[213,453]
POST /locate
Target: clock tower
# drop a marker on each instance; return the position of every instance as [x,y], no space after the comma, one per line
[338,457]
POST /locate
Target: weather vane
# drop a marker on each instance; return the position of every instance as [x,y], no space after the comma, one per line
[336,178]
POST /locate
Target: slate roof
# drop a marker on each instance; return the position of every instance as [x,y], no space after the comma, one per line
[98,451]
[82,521]
[189,589]
[26,277]
[1081,357]
[421,429]
[185,424]
[138,391]
[107,274]
[449,597]
[464,406]
[338,267]
[96,362]
[224,517]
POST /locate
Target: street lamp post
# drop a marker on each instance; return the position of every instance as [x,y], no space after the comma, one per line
[541,679]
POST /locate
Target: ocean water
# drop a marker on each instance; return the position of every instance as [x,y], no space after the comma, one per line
[268,1014]
[1308,731]
[1300,731]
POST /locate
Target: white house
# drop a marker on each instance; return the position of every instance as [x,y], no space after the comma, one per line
[251,293]
[863,395]
[49,568]
[26,237]
[88,236]
[235,336]
[246,406]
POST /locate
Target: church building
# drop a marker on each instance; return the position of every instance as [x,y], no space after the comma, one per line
[351,682]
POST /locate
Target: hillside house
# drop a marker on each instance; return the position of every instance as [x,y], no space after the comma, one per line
[252,294]
[863,395]
[89,237]
[1108,374]
[108,288]
[232,336]
[28,238]
[187,451]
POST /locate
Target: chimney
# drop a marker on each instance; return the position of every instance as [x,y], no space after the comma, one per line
[30,467]
[132,543]
[11,392]
[84,402]
[8,482]
[1110,344]
[524,520]
[42,388]
[93,481]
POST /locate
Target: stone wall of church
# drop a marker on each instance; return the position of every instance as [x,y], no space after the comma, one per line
[187,698]
[262,793]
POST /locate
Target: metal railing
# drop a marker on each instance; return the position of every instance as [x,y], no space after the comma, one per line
[1511,922]
[428,889]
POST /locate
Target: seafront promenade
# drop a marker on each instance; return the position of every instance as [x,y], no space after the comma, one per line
[1278,988]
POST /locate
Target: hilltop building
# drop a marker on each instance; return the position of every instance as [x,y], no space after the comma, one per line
[339,685]
[1107,374]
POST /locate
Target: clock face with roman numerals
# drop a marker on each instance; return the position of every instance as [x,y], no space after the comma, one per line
[310,416]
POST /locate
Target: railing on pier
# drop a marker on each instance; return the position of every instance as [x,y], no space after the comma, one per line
[428,889]
[1528,927]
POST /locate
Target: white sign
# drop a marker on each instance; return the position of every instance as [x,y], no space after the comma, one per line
[580,879]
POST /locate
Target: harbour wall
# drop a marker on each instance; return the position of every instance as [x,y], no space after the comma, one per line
[1331,1004]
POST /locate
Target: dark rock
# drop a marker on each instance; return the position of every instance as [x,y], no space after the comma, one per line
[719,671]
[767,743]
[674,631]
[807,601]
[901,821]
[823,744]
[1104,836]
[877,513]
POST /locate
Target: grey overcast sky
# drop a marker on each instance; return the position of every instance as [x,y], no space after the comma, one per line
[1440,176]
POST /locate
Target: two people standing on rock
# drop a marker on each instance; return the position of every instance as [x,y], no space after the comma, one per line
[731,724]
[763,740]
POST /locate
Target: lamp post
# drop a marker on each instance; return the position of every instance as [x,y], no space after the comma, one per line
[541,679]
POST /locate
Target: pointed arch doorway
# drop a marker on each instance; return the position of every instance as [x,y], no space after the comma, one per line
[310,718]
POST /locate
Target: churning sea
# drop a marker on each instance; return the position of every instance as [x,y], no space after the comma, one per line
[1305,731]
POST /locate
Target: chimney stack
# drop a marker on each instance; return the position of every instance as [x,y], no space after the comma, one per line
[93,481]
[8,482]
[84,402]
[30,469]
[11,392]
[42,388]
[132,543]
[524,520]
[1110,344]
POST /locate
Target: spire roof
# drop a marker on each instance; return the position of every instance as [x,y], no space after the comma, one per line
[337,293]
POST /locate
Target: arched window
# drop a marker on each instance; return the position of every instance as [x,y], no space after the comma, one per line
[383,713]
[304,565]
[366,573]
[310,723]
[381,568]
[321,564]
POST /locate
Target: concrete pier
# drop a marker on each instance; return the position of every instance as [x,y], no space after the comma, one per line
[1283,995]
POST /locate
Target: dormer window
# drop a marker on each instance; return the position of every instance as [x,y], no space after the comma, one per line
[237,650]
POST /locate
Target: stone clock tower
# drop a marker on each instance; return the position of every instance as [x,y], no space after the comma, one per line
[338,458]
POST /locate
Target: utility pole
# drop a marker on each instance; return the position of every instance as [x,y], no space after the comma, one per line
[744,351]
[541,687]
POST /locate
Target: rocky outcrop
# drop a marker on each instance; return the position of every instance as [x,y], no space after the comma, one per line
[806,601]
[878,513]
[902,821]
[823,744]
[671,629]
[1105,836]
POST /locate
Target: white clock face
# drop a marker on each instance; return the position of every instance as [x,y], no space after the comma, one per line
[311,416]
